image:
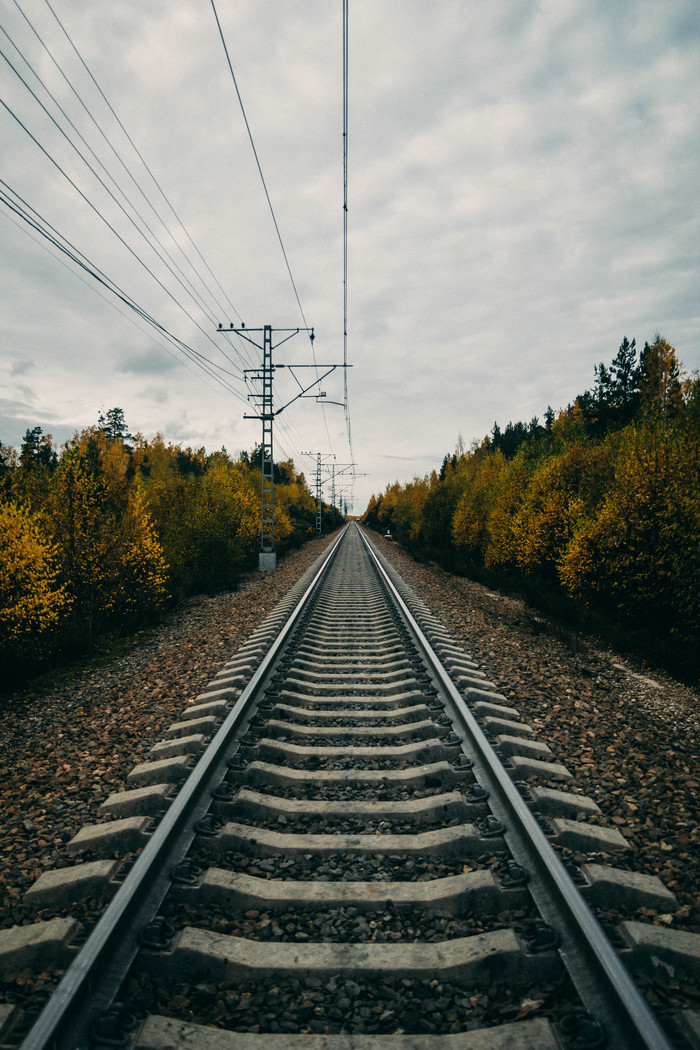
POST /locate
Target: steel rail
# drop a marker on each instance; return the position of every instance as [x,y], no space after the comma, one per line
[111,947]
[601,979]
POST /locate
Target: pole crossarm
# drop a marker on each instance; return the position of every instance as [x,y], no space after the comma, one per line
[263,401]
[257,373]
[245,333]
[303,390]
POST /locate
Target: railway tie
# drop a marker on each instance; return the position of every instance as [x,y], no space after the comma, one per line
[348,841]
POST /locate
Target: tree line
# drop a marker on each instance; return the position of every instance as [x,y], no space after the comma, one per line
[593,513]
[105,533]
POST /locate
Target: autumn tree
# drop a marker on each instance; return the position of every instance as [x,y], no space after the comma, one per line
[33,600]
[639,554]
[113,424]
[660,378]
[111,556]
[31,480]
[601,504]
[86,535]
[141,574]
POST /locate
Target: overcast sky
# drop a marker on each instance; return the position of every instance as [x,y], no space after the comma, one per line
[524,183]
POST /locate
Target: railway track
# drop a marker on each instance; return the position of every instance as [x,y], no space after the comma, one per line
[348,841]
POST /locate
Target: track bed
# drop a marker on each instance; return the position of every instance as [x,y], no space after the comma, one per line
[350,839]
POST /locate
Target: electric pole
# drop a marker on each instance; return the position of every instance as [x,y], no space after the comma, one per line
[319,516]
[262,399]
[267,560]
[319,485]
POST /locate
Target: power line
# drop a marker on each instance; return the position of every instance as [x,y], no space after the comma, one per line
[145,165]
[257,161]
[195,295]
[190,290]
[52,240]
[267,194]
[105,220]
[18,206]
[346,132]
[53,251]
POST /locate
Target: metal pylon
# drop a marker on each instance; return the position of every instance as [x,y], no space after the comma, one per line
[318,494]
[265,375]
[267,517]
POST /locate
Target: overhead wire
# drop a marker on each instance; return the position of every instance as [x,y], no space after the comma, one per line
[143,161]
[215,371]
[196,295]
[241,351]
[52,250]
[104,219]
[146,167]
[346,131]
[267,197]
[15,203]
[257,161]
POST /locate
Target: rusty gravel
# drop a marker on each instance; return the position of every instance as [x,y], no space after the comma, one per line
[629,735]
[65,749]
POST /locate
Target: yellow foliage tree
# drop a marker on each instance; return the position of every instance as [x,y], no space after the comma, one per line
[483,473]
[561,490]
[295,507]
[641,551]
[86,534]
[33,601]
[112,558]
[501,544]
[141,572]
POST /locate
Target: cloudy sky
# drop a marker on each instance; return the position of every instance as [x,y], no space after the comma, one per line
[524,184]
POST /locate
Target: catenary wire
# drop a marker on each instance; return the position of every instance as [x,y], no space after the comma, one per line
[267,196]
[257,161]
[53,251]
[240,351]
[113,198]
[15,203]
[287,426]
[195,294]
[108,224]
[346,131]
[140,156]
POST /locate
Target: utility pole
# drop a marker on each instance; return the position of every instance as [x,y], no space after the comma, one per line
[320,483]
[319,516]
[343,473]
[267,560]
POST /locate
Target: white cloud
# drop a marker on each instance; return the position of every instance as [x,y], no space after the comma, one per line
[523,193]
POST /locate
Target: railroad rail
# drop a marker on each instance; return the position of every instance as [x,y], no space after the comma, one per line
[349,841]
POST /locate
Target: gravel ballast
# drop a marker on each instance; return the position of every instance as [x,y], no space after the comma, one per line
[630,737]
[64,750]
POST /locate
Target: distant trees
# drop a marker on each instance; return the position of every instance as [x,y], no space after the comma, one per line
[600,505]
[113,425]
[99,535]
